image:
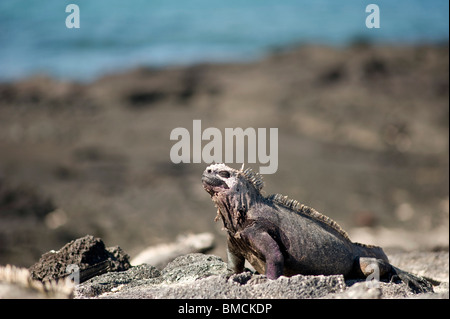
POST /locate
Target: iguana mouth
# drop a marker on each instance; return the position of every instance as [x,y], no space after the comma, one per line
[211,183]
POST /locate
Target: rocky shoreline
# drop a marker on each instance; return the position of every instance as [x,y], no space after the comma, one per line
[363,138]
[199,276]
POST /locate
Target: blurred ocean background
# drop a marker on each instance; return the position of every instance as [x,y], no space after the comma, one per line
[117,35]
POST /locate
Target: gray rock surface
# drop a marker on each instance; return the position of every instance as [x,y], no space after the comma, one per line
[196,276]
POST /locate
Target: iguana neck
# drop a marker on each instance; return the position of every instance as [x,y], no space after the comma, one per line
[233,207]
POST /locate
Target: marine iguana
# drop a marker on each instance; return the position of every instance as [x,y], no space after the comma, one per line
[279,236]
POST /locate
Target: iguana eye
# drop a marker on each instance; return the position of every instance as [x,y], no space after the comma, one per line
[224,174]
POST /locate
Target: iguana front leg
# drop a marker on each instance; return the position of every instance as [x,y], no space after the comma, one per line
[263,243]
[235,260]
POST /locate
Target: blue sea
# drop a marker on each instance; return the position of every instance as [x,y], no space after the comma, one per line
[117,35]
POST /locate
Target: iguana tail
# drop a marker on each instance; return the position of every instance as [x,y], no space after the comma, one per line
[417,284]
[370,251]
[369,255]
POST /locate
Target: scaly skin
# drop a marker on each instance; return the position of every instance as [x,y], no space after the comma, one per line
[278,236]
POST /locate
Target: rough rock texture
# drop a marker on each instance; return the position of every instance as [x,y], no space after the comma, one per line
[113,281]
[204,276]
[88,253]
[196,276]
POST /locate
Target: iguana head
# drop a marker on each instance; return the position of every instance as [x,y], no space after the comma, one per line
[220,178]
[233,191]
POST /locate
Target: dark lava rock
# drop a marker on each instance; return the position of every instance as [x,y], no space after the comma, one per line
[87,256]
